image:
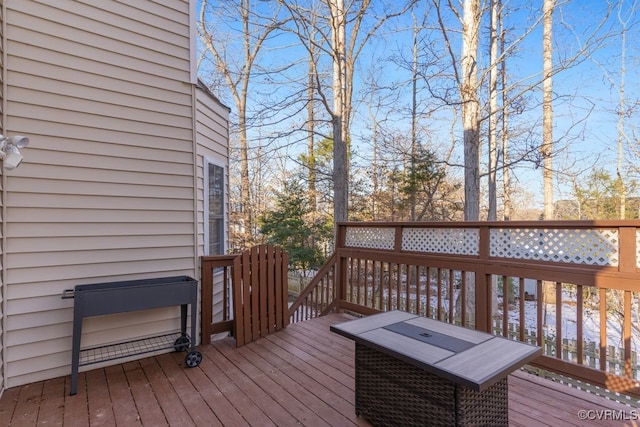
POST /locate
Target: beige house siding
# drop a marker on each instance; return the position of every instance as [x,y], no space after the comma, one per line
[106,191]
[212,138]
[2,291]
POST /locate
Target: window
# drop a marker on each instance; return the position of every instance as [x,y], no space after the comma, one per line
[214,233]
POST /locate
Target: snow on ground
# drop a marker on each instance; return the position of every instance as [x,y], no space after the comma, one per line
[568,327]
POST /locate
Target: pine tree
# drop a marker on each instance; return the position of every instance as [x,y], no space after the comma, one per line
[289,227]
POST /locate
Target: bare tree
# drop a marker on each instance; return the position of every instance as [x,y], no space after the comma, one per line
[341,107]
[237,74]
[621,113]
[518,97]
[470,108]
[465,71]
[376,102]
[627,19]
[547,109]
[414,111]
[622,108]
[343,50]
[506,172]
[493,111]
[311,121]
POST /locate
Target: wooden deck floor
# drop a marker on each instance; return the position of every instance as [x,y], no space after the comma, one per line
[303,375]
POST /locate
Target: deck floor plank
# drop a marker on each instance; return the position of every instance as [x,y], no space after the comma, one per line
[310,362]
[100,405]
[223,371]
[167,396]
[300,387]
[537,410]
[76,408]
[121,397]
[29,399]
[556,402]
[208,382]
[568,394]
[199,411]
[343,402]
[321,347]
[321,373]
[8,404]
[336,346]
[282,402]
[52,406]
[303,375]
[149,410]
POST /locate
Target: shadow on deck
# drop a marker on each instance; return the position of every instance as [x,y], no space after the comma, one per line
[303,375]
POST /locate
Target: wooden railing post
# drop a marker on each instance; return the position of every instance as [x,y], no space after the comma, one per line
[206,302]
[482,284]
[341,267]
[628,263]
[282,316]
[397,243]
[209,264]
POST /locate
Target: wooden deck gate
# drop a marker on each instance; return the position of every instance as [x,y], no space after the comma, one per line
[260,293]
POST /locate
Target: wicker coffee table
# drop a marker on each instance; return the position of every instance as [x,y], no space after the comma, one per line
[415,371]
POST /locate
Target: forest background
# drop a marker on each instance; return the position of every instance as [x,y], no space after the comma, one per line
[422,110]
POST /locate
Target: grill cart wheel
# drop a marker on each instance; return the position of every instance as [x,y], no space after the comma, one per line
[193,359]
[182,343]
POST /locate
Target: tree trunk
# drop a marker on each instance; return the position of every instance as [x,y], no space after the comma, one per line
[237,75]
[547,110]
[470,109]
[340,158]
[493,113]
[245,194]
[621,115]
[374,168]
[549,288]
[311,159]
[506,176]
[414,114]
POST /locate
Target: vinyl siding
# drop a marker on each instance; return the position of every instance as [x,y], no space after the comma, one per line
[212,145]
[3,341]
[2,218]
[106,191]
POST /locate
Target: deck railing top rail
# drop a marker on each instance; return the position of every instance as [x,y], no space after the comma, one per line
[588,243]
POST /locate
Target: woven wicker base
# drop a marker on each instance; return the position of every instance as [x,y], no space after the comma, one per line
[390,392]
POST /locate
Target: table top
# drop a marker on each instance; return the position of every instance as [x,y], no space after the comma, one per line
[464,356]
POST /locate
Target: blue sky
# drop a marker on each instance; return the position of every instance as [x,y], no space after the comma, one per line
[586,92]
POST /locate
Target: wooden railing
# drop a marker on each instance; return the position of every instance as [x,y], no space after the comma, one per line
[557,281]
[319,297]
[251,290]
[219,266]
[552,277]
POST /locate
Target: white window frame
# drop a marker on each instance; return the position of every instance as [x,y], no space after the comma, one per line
[207,164]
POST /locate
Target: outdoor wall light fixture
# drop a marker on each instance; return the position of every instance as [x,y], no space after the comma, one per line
[10,150]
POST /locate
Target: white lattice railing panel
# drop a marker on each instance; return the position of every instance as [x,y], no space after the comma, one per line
[458,241]
[590,247]
[370,237]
